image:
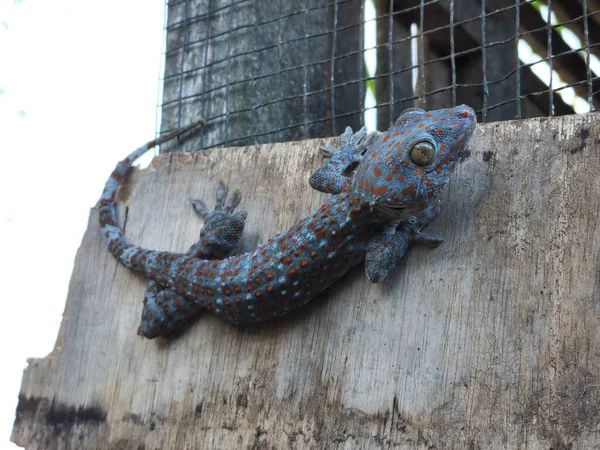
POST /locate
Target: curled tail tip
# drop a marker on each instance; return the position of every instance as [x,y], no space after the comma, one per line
[190,126]
[200,121]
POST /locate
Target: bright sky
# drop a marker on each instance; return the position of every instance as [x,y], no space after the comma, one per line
[78,91]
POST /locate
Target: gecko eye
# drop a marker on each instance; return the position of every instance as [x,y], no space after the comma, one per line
[422,153]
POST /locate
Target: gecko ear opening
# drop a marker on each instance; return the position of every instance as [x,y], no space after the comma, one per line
[350,169]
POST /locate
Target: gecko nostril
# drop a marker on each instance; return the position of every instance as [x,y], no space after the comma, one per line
[465,114]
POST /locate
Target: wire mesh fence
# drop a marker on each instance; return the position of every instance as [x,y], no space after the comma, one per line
[264,71]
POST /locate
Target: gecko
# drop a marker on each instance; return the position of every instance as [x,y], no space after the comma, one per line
[385,190]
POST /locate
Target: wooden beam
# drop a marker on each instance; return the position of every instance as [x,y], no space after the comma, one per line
[489,341]
[570,66]
[501,58]
[394,79]
[593,6]
[568,10]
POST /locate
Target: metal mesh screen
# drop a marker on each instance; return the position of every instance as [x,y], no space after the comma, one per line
[269,71]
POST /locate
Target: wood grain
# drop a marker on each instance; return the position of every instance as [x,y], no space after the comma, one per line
[489,341]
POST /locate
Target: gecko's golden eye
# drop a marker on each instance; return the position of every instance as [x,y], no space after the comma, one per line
[422,153]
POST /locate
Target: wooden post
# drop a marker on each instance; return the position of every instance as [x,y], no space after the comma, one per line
[489,341]
[262,71]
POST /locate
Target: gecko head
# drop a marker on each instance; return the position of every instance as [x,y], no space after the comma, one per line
[411,163]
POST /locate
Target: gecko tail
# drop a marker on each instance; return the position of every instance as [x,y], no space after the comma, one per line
[118,245]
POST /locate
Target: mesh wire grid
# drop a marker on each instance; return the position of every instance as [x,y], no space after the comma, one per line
[270,71]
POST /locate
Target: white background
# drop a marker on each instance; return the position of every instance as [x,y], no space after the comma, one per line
[78,91]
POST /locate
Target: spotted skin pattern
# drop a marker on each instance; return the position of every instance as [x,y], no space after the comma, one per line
[385,188]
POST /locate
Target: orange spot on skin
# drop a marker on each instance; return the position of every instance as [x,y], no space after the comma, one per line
[429,182]
[176,303]
[401,178]
[395,133]
[292,273]
[411,189]
[385,138]
[438,169]
[454,124]
[389,177]
[377,171]
[313,254]
[303,263]
[428,115]
[320,233]
[287,259]
[380,190]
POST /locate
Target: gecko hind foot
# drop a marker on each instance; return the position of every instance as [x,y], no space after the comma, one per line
[164,310]
[223,227]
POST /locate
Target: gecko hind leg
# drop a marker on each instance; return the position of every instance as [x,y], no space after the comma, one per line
[336,172]
[164,308]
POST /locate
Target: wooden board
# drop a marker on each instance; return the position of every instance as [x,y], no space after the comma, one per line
[489,341]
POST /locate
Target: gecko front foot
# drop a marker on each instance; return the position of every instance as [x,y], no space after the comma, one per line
[385,250]
[336,172]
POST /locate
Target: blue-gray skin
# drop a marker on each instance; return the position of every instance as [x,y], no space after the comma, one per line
[385,188]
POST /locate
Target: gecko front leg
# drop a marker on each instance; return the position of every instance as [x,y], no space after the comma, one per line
[386,249]
[335,173]
[164,308]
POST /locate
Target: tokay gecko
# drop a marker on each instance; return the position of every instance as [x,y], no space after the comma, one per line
[385,188]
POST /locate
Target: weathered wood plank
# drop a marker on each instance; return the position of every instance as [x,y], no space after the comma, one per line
[489,341]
